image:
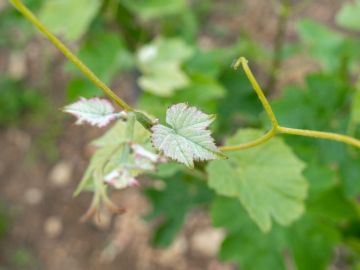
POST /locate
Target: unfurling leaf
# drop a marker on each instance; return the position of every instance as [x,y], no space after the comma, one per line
[141,153]
[267,180]
[138,161]
[107,157]
[121,179]
[188,138]
[95,111]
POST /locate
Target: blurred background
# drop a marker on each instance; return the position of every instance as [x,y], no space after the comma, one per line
[43,154]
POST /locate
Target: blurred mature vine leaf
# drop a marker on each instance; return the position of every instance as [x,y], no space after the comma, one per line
[267,180]
[239,106]
[315,102]
[203,89]
[311,242]
[324,103]
[348,16]
[355,107]
[308,243]
[245,243]
[68,17]
[160,63]
[322,43]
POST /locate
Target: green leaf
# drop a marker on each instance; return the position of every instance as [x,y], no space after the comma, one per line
[245,243]
[211,62]
[204,100]
[81,87]
[333,205]
[110,150]
[69,18]
[355,107]
[95,111]
[117,135]
[323,104]
[160,63]
[322,42]
[18,102]
[320,178]
[312,107]
[188,138]
[349,15]
[98,162]
[171,204]
[151,9]
[104,53]
[309,242]
[312,243]
[266,179]
[240,105]
[350,171]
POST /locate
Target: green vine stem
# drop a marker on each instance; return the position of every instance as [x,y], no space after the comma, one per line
[276,128]
[72,57]
[321,135]
[260,93]
[142,118]
[147,123]
[267,136]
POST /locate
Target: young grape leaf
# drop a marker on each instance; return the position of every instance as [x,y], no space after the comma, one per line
[99,162]
[266,179]
[121,178]
[110,161]
[68,17]
[95,111]
[188,138]
[117,135]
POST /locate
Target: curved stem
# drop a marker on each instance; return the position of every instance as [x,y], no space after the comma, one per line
[276,128]
[321,135]
[72,57]
[260,93]
[147,123]
[267,136]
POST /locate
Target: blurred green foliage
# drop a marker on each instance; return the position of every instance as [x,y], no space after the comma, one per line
[17,102]
[157,42]
[180,193]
